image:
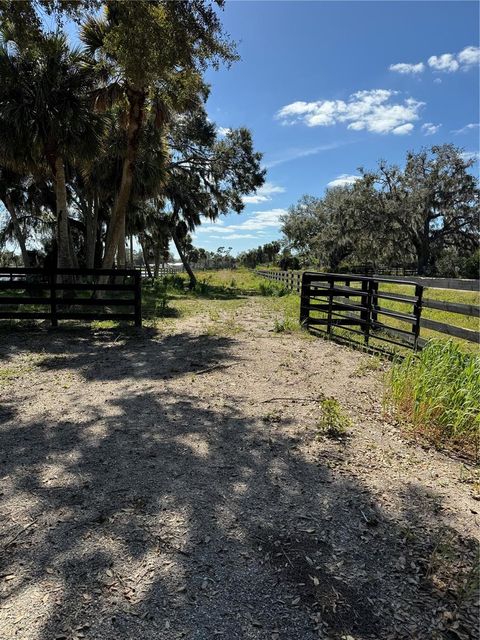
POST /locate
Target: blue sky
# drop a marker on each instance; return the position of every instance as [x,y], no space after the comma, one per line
[320,87]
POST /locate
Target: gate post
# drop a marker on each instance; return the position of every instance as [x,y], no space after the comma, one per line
[138,298]
[305,301]
[365,314]
[417,312]
[53,298]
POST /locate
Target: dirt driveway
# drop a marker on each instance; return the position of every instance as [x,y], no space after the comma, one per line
[140,499]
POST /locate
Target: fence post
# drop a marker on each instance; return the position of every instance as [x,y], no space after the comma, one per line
[331,285]
[366,311]
[53,298]
[417,312]
[375,304]
[138,298]
[305,301]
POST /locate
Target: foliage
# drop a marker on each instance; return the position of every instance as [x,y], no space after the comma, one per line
[265,254]
[418,213]
[269,288]
[117,131]
[438,394]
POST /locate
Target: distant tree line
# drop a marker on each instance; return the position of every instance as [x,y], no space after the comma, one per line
[272,253]
[426,213]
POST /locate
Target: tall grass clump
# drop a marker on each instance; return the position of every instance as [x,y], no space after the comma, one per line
[438,393]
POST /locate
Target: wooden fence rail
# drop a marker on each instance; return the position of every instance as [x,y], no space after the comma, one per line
[162,271]
[62,294]
[292,280]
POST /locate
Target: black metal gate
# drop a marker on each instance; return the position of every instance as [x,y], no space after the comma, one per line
[70,294]
[362,305]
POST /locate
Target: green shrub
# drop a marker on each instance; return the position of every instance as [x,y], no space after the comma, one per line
[173,281]
[438,394]
[470,267]
[202,287]
[269,288]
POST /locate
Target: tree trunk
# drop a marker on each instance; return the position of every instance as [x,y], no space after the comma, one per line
[17,228]
[131,251]
[116,228]
[145,257]
[64,259]
[73,256]
[156,265]
[423,259]
[91,227]
[188,269]
[422,246]
[121,249]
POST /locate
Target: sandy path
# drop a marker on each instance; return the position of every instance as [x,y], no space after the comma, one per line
[140,500]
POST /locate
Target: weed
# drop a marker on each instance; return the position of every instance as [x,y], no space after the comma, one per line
[99,325]
[371,364]
[284,325]
[271,417]
[333,422]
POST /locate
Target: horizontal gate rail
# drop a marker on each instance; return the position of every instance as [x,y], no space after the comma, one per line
[51,294]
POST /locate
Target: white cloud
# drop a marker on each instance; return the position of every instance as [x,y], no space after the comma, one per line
[467,127]
[343,180]
[469,56]
[235,236]
[445,62]
[263,194]
[429,129]
[261,220]
[403,129]
[470,155]
[372,110]
[406,68]
[223,131]
[295,153]
[450,62]
[256,222]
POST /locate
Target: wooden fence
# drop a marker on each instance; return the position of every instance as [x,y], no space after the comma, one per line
[290,279]
[371,270]
[293,279]
[64,294]
[163,271]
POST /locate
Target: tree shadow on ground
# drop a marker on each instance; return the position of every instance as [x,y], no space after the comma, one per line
[161,515]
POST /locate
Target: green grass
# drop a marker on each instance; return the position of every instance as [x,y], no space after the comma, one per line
[446,295]
[437,393]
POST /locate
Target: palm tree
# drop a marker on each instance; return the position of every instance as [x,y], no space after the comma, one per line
[46,117]
[151,55]
[13,196]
